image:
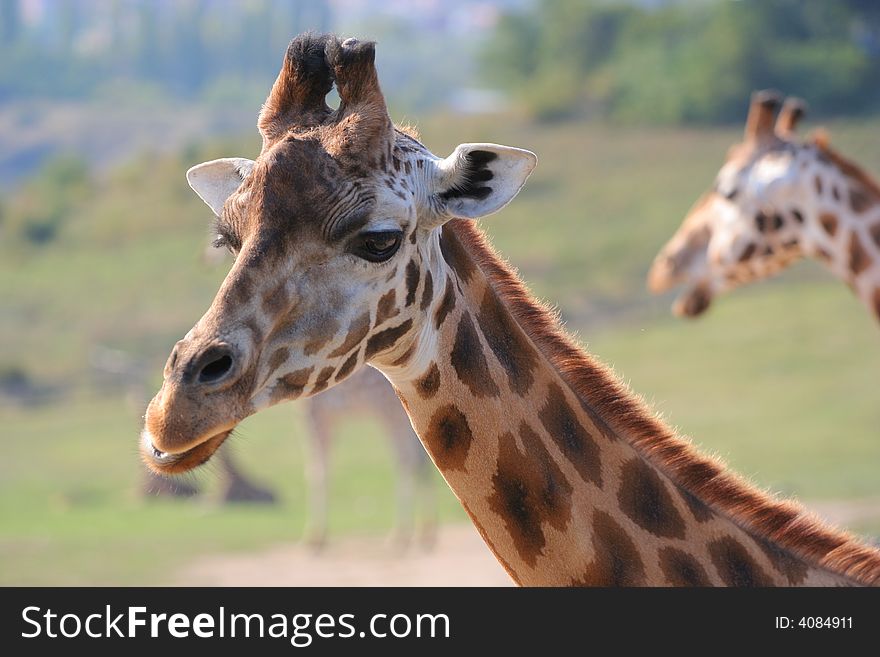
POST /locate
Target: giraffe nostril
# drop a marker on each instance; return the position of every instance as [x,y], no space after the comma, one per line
[171,363]
[215,370]
[215,365]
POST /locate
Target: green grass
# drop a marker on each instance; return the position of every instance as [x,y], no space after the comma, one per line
[70,512]
[778,378]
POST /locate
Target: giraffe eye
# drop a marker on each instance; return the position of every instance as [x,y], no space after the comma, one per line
[377,246]
[729,193]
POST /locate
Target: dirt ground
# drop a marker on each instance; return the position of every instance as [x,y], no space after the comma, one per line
[460,558]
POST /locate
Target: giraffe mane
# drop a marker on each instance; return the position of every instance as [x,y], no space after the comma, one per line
[784,522]
[409,129]
[849,168]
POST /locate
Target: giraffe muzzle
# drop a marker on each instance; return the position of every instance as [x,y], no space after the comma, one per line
[166,463]
[204,396]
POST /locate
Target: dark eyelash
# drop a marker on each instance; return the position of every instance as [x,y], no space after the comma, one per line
[224,237]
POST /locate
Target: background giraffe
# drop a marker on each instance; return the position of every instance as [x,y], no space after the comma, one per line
[369,393]
[353,245]
[775,200]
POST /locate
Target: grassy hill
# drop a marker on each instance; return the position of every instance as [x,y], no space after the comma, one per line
[778,378]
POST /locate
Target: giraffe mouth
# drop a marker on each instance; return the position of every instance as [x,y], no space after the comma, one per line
[693,301]
[166,463]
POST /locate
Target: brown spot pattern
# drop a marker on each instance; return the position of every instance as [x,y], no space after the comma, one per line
[817,181]
[875,234]
[761,222]
[646,500]
[387,308]
[748,252]
[699,509]
[528,490]
[275,300]
[356,332]
[506,339]
[570,436]
[447,303]
[681,568]
[323,379]
[448,438]
[859,260]
[290,386]
[347,366]
[794,570]
[735,565]
[469,361]
[315,345]
[617,561]
[384,340]
[428,384]
[427,292]
[412,281]
[277,359]
[404,358]
[256,331]
[829,223]
[243,290]
[488,540]
[455,255]
[859,200]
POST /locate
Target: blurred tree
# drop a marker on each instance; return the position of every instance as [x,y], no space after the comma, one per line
[682,62]
[37,211]
[146,47]
[10,22]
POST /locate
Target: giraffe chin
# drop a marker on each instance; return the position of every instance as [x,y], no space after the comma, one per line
[165,463]
[693,302]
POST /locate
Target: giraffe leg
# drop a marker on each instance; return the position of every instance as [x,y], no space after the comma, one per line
[237,488]
[317,475]
[406,485]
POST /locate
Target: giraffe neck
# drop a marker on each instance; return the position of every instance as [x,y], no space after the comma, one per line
[567,478]
[841,223]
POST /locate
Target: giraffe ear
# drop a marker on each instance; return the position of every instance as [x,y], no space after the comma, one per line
[215,181]
[479,179]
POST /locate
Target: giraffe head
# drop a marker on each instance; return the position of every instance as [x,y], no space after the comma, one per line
[334,229]
[748,226]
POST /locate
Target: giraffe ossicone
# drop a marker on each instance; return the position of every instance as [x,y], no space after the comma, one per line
[355,244]
[775,200]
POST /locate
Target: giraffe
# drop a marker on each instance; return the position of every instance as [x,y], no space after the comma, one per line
[365,393]
[354,243]
[775,200]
